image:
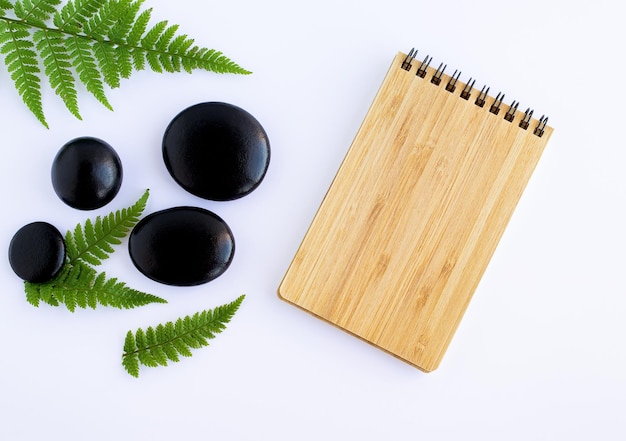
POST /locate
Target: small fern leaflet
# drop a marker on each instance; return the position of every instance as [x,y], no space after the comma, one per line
[75,13]
[22,64]
[38,11]
[92,243]
[83,59]
[101,23]
[158,346]
[58,68]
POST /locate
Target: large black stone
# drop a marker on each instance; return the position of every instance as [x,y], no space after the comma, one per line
[216,151]
[182,246]
[86,173]
[37,252]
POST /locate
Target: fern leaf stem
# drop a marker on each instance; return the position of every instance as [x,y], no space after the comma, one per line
[30,24]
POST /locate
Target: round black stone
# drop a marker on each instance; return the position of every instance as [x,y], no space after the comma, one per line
[182,246]
[37,252]
[216,151]
[86,173]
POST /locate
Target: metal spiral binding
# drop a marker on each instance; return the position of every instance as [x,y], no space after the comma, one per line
[467,90]
[480,101]
[406,64]
[510,114]
[526,119]
[436,79]
[543,122]
[495,107]
[466,93]
[421,71]
[451,86]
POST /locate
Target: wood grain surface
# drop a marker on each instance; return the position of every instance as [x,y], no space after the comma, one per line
[413,216]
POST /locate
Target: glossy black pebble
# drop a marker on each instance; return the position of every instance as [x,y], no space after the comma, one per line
[216,151]
[182,246]
[37,252]
[86,173]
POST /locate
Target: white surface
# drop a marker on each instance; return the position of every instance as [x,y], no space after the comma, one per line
[540,353]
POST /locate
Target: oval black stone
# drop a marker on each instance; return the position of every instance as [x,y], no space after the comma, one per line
[37,252]
[182,246]
[216,151]
[86,173]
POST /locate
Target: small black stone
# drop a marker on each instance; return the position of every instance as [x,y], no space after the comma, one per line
[216,151]
[86,173]
[37,252]
[182,246]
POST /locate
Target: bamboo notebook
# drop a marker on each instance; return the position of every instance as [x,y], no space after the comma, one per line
[415,212]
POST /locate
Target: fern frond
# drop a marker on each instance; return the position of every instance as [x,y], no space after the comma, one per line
[135,33]
[158,346]
[108,63]
[35,12]
[103,21]
[102,40]
[128,14]
[58,67]
[209,59]
[81,54]
[80,286]
[124,58]
[22,64]
[5,4]
[75,14]
[92,243]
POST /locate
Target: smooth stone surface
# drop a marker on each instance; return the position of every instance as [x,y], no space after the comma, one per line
[216,151]
[37,252]
[86,173]
[182,246]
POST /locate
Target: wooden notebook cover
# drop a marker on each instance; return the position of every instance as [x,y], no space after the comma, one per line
[413,216]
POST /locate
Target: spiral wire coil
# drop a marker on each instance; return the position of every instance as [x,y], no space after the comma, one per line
[466,93]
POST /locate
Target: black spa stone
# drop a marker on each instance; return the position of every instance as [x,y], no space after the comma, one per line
[216,151]
[86,173]
[182,246]
[37,252]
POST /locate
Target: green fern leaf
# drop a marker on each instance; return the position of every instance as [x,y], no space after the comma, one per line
[157,346]
[101,23]
[151,37]
[128,14]
[138,29]
[131,364]
[124,59]
[95,42]
[57,67]
[35,12]
[33,294]
[81,54]
[75,14]
[22,64]
[108,63]
[92,243]
[80,286]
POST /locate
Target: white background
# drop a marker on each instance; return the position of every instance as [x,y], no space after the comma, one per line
[540,353]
